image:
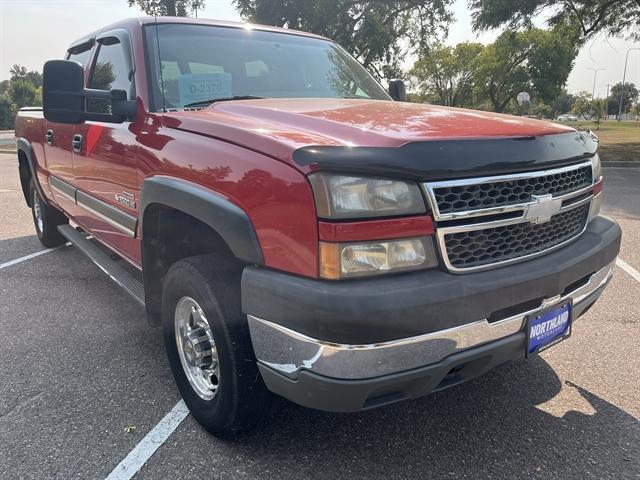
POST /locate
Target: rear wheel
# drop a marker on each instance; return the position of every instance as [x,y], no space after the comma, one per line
[46,220]
[208,344]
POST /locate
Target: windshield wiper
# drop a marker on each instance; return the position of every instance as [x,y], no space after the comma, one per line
[223,99]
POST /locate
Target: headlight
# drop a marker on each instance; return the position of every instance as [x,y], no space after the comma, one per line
[341,260]
[343,196]
[596,203]
[597,167]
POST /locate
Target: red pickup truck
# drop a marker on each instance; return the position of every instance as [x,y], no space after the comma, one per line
[294,228]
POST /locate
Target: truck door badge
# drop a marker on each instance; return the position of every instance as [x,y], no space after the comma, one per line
[127,199]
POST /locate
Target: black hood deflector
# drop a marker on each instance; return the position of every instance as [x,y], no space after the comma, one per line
[444,159]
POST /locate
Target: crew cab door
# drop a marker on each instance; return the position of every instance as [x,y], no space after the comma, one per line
[58,142]
[104,163]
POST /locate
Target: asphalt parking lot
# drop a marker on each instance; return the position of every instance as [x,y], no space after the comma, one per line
[84,379]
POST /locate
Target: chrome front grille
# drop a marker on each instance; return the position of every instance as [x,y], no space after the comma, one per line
[497,244]
[464,198]
[486,222]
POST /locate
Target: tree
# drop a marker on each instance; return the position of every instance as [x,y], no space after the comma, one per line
[562,103]
[103,78]
[612,17]
[19,72]
[581,104]
[537,61]
[551,60]
[377,33]
[599,109]
[629,94]
[418,97]
[24,89]
[22,94]
[542,110]
[172,8]
[7,113]
[448,73]
[502,72]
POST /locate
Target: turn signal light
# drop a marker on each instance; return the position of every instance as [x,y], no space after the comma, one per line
[343,260]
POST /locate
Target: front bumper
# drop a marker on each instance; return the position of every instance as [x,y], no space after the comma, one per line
[321,373]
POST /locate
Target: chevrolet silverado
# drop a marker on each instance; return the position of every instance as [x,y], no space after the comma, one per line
[294,228]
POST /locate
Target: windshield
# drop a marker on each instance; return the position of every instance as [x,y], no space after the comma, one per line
[202,63]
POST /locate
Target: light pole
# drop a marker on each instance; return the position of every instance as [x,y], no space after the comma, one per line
[593,91]
[624,79]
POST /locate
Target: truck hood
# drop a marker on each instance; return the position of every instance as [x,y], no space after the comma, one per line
[280,127]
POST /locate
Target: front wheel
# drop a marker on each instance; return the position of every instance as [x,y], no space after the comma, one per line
[46,220]
[208,344]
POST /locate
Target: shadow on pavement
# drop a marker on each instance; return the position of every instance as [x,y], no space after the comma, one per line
[488,428]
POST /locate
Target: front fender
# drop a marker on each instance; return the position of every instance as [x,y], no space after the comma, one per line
[226,218]
[28,169]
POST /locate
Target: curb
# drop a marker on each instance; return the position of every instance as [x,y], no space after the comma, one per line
[8,152]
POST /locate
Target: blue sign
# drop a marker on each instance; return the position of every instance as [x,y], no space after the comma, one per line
[549,326]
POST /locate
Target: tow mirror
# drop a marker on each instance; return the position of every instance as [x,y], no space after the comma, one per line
[397,90]
[64,98]
[62,85]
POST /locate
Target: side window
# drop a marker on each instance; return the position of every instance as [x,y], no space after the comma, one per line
[82,57]
[110,72]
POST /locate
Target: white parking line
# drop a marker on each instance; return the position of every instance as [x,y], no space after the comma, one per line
[628,268]
[31,255]
[143,451]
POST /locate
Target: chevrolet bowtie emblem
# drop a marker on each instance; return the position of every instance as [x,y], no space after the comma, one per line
[543,208]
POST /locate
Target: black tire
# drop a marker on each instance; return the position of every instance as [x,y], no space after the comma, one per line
[242,399]
[47,228]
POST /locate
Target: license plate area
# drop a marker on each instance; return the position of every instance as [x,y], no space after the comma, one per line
[548,327]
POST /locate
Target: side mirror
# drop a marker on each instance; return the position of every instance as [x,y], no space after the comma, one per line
[397,90]
[62,86]
[64,98]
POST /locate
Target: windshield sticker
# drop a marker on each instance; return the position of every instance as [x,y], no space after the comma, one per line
[200,87]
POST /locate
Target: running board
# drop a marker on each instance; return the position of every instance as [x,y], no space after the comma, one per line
[109,266]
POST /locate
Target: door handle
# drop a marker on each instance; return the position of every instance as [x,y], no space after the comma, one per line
[49,137]
[76,143]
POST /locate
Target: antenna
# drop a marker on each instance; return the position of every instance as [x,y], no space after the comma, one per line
[164,108]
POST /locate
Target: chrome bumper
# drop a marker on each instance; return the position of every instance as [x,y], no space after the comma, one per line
[289,352]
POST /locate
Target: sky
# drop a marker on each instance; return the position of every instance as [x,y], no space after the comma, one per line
[33,31]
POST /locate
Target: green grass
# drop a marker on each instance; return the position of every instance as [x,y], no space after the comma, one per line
[619,141]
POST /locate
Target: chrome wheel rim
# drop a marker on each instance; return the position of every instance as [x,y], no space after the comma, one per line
[196,348]
[37,212]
